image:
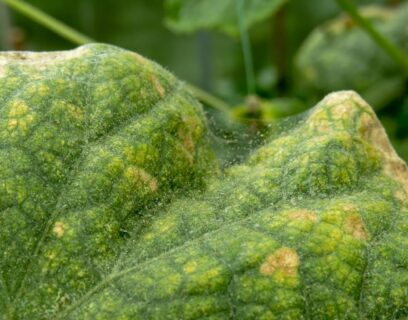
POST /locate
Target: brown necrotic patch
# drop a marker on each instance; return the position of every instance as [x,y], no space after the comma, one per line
[355,226]
[284,259]
[157,85]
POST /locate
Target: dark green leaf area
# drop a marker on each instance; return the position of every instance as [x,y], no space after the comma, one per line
[89,139]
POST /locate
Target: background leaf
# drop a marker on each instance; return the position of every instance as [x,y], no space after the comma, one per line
[193,15]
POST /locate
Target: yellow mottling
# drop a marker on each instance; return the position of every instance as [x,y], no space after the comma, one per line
[349,207]
[76,112]
[285,260]
[12,123]
[166,226]
[174,278]
[115,165]
[44,90]
[140,155]
[22,123]
[190,266]
[355,225]
[157,85]
[138,175]
[303,214]
[148,236]
[19,116]
[81,273]
[343,111]
[59,229]
[18,108]
[51,255]
[319,121]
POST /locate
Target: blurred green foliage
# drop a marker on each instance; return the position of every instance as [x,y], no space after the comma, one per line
[340,55]
[193,15]
[301,51]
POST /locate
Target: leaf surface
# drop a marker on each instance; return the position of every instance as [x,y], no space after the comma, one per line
[90,139]
[314,225]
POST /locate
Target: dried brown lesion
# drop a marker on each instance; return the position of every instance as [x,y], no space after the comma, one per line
[344,104]
[354,225]
[284,259]
[42,59]
[373,132]
[157,85]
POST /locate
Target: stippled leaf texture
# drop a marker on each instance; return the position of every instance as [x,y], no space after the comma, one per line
[90,139]
[340,55]
[314,225]
[194,15]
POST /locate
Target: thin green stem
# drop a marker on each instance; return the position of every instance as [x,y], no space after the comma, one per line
[246,48]
[399,56]
[48,21]
[209,99]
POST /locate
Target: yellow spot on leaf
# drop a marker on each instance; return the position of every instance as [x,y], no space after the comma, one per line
[285,260]
[18,108]
[343,111]
[12,123]
[44,90]
[138,175]
[19,116]
[190,267]
[59,229]
[75,112]
[303,214]
[51,255]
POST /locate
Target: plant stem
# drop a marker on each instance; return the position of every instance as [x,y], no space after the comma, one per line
[399,56]
[246,48]
[48,21]
[209,99]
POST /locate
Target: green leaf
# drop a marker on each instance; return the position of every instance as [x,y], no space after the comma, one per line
[193,15]
[90,140]
[102,154]
[340,55]
[314,223]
